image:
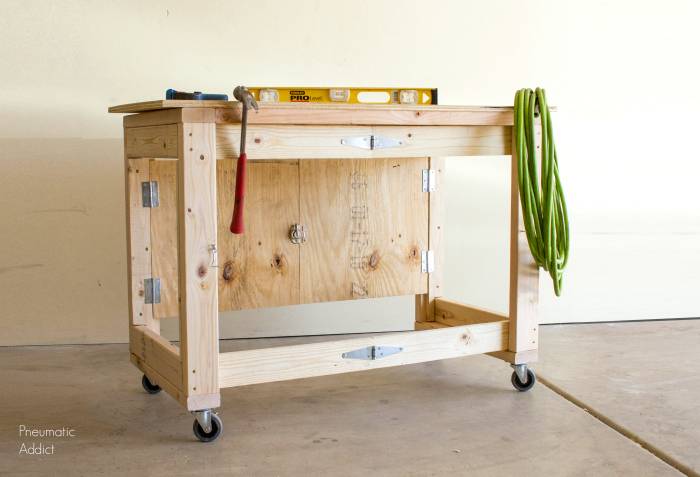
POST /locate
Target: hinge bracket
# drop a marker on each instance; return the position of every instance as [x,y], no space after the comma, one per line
[151,287]
[429,180]
[149,194]
[372,352]
[371,142]
[427,261]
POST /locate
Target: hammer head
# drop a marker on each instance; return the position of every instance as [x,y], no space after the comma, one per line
[242,94]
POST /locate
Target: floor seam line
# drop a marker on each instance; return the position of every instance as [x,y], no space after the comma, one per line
[620,429]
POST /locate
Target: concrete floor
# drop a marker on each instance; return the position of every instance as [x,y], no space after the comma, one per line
[455,417]
[642,376]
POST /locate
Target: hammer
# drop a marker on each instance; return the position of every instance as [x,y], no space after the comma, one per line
[242,94]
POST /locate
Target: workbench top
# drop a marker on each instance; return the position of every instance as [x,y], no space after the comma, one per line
[338,114]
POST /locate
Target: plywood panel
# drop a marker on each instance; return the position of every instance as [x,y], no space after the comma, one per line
[138,243]
[259,268]
[367,222]
[164,237]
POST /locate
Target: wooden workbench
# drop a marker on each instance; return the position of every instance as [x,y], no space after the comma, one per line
[373,219]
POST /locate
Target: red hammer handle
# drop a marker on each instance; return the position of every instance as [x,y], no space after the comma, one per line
[239,197]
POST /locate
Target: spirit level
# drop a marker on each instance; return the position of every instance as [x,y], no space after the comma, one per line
[420,96]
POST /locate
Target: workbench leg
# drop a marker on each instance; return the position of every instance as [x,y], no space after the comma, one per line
[524,280]
[425,304]
[197,277]
[138,243]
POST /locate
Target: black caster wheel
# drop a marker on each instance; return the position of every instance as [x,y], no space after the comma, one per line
[149,386]
[216,428]
[526,386]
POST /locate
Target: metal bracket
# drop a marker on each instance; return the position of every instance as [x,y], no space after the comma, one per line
[521,371]
[297,234]
[204,419]
[214,255]
[372,352]
[151,287]
[427,261]
[429,180]
[149,194]
[371,142]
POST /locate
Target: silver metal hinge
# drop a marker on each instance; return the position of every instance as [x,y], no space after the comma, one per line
[429,180]
[149,194]
[372,352]
[151,288]
[371,142]
[427,261]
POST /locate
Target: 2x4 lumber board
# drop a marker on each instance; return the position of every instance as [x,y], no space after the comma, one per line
[320,114]
[425,304]
[339,114]
[197,285]
[524,276]
[453,313]
[428,325]
[138,243]
[436,226]
[157,379]
[240,368]
[157,352]
[522,357]
[324,142]
[153,118]
[170,116]
[151,141]
[523,296]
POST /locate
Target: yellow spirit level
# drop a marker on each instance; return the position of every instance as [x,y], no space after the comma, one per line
[419,96]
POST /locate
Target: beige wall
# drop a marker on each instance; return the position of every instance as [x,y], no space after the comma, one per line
[623,74]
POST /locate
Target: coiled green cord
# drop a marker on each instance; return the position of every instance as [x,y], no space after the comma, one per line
[544,212]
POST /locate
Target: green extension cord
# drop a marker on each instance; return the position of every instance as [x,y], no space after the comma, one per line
[544,212]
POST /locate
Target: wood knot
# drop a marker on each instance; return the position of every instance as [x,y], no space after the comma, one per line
[414,254]
[228,271]
[278,262]
[257,140]
[373,261]
[202,271]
